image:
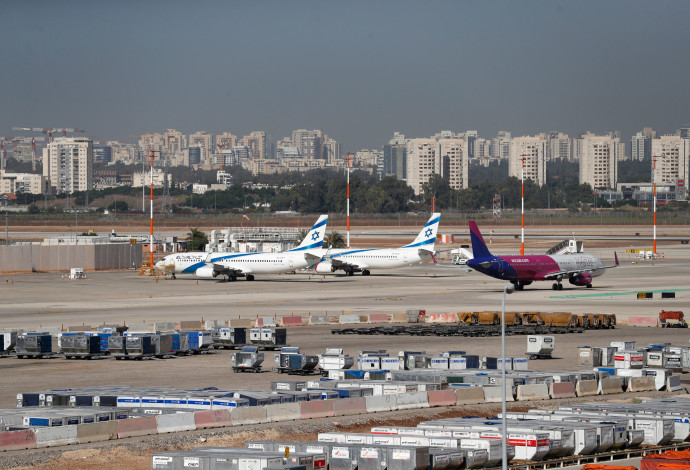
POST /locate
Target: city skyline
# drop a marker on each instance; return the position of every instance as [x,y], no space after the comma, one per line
[360,70]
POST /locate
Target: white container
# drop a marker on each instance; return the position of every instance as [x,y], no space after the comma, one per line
[540,345]
[369,363]
[630,373]
[607,354]
[628,360]
[390,363]
[439,363]
[520,363]
[624,345]
[457,363]
[655,358]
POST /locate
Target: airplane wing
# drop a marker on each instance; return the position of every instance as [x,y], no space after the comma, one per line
[312,258]
[228,270]
[555,274]
[340,264]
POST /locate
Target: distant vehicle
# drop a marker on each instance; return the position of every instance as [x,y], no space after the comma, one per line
[672,319]
[352,261]
[234,265]
[522,270]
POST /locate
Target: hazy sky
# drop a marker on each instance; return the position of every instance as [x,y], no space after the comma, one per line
[359,70]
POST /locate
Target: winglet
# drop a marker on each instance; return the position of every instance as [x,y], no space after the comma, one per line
[479,248]
[615,255]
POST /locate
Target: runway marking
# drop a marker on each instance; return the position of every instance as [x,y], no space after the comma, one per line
[610,294]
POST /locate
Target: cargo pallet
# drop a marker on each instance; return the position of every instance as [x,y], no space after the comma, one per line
[133,356]
[37,356]
[247,369]
[86,355]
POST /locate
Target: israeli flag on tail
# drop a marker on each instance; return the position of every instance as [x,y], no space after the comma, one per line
[427,236]
[315,236]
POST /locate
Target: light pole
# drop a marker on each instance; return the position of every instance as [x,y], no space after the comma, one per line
[507,289]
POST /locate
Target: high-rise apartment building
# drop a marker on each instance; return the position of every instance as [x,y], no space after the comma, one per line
[310,143]
[638,144]
[226,140]
[671,154]
[395,160]
[500,145]
[68,164]
[599,157]
[422,162]
[174,141]
[202,139]
[256,142]
[332,150]
[559,147]
[452,154]
[470,139]
[532,151]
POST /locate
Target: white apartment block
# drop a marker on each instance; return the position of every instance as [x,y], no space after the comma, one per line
[309,142]
[672,154]
[226,140]
[421,162]
[638,143]
[139,179]
[531,150]
[22,183]
[599,157]
[452,154]
[364,157]
[500,145]
[559,147]
[68,164]
[174,141]
[332,149]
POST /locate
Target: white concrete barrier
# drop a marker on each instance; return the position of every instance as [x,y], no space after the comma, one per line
[283,412]
[641,384]
[348,319]
[56,436]
[585,388]
[318,320]
[175,422]
[407,401]
[532,392]
[673,383]
[493,393]
[248,415]
[382,403]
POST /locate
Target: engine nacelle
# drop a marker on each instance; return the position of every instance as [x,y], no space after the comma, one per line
[206,272]
[324,267]
[582,279]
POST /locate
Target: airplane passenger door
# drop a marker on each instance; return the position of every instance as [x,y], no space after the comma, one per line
[289,260]
[404,256]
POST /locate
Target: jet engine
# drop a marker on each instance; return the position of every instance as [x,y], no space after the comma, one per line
[206,272]
[581,279]
[324,267]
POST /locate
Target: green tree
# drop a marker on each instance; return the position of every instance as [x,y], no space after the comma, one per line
[196,240]
[33,209]
[334,240]
[119,206]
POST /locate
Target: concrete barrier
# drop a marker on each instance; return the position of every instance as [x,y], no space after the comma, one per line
[642,321]
[175,422]
[611,385]
[673,383]
[56,436]
[348,319]
[585,388]
[408,401]
[318,320]
[532,392]
[562,390]
[291,321]
[441,317]
[283,412]
[469,395]
[350,406]
[240,323]
[96,432]
[164,326]
[441,398]
[17,440]
[641,384]
[248,415]
[399,318]
[381,403]
[212,419]
[378,318]
[493,393]
[265,322]
[190,325]
[316,409]
[133,427]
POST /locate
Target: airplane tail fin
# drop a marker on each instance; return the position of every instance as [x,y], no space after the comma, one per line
[479,248]
[427,236]
[315,236]
[615,255]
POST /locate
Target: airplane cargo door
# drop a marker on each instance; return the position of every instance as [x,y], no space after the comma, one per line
[404,254]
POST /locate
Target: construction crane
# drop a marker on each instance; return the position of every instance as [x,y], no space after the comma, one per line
[20,140]
[49,130]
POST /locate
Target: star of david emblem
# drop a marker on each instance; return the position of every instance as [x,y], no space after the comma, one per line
[428,232]
[315,236]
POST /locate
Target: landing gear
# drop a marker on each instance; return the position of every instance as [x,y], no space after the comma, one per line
[350,273]
[589,286]
[250,277]
[173,277]
[366,272]
[519,285]
[557,286]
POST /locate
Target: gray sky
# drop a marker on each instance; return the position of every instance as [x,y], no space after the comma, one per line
[359,70]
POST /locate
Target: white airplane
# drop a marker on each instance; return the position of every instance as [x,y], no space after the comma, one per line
[234,265]
[182,263]
[352,261]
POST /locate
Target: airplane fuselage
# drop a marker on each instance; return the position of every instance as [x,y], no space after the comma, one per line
[537,267]
[360,260]
[260,263]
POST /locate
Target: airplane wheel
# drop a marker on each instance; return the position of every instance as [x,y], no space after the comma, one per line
[589,286]
[366,272]
[350,273]
[250,277]
[554,286]
[233,279]
[560,286]
[173,277]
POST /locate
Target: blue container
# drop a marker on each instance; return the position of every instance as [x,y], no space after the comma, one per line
[175,342]
[472,361]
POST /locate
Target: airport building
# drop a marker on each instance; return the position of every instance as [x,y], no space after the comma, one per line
[531,150]
[68,164]
[672,154]
[599,156]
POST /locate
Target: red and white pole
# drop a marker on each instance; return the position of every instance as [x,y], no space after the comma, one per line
[348,199]
[151,236]
[522,178]
[654,180]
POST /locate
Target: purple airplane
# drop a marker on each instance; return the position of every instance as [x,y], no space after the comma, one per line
[522,270]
